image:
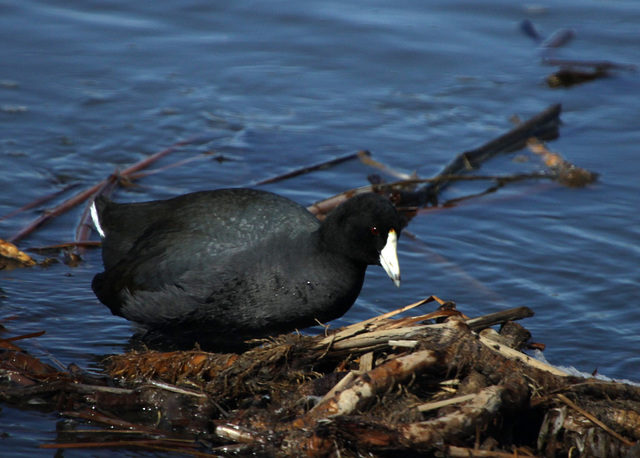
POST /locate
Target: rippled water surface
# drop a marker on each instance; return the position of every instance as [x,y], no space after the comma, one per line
[89,87]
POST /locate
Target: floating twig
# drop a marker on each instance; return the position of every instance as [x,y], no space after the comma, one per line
[571,72]
[87,193]
[544,125]
[31,335]
[567,173]
[40,201]
[66,246]
[312,168]
[368,160]
[557,39]
[9,251]
[207,155]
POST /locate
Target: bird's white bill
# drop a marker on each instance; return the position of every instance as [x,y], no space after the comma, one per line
[389,257]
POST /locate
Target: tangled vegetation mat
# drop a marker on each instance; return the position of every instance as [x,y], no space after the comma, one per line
[438,384]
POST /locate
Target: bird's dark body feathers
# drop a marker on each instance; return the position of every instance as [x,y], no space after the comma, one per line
[228,265]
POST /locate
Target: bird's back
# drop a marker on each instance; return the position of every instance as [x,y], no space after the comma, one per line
[165,259]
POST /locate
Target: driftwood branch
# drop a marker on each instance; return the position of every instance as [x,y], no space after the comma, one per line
[361,391]
[424,435]
[544,125]
[315,167]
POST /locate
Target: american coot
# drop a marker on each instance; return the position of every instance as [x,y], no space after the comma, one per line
[220,267]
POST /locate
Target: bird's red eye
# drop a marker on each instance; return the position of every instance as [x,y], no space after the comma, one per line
[375,231]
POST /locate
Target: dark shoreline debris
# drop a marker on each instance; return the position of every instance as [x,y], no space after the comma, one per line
[437,384]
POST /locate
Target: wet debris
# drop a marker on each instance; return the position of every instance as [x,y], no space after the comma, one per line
[567,173]
[437,384]
[12,257]
[570,72]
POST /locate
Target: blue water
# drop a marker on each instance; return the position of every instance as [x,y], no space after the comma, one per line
[89,87]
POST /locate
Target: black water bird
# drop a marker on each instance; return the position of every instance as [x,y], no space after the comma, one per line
[220,267]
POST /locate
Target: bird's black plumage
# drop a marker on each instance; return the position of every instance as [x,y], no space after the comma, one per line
[219,267]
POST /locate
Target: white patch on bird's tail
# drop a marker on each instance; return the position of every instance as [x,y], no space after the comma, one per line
[389,257]
[96,219]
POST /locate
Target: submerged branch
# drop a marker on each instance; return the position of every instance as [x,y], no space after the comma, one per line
[544,125]
[90,192]
[315,167]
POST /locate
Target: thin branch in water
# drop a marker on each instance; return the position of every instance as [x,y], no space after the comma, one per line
[500,182]
[368,160]
[66,246]
[397,189]
[312,168]
[38,202]
[566,173]
[87,193]
[208,155]
[544,125]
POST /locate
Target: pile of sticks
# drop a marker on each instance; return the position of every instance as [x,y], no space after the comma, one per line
[438,383]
